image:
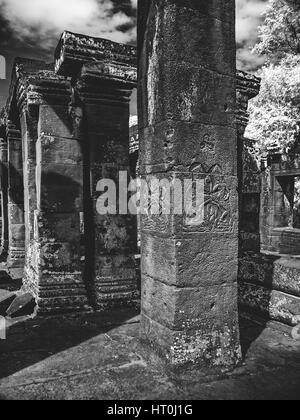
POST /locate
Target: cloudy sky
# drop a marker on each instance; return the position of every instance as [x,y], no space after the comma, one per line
[31,28]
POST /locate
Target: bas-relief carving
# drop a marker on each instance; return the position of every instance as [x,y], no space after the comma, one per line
[217,210]
[217,207]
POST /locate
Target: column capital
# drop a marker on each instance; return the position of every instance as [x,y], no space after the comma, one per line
[74,51]
[35,83]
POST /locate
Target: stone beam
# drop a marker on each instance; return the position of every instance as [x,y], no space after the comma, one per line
[74,50]
[187,124]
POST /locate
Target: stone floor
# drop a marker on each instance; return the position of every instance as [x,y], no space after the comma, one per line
[91,357]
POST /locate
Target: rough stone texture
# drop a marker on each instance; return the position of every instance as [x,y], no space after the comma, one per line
[4,192]
[105,76]
[187,101]
[74,50]
[16,251]
[270,286]
[58,149]
[271,303]
[52,183]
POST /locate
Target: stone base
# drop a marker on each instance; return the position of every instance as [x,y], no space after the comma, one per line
[112,293]
[270,287]
[208,351]
[16,262]
[57,292]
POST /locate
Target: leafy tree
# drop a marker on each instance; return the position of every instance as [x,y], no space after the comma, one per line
[275,113]
[280,32]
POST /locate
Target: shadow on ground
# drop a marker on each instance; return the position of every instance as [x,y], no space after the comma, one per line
[99,357]
[38,339]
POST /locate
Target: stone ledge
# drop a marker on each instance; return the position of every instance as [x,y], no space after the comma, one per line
[273,304]
[75,50]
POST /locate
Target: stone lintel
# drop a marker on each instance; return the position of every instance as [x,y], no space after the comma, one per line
[75,50]
[106,82]
[34,83]
[103,71]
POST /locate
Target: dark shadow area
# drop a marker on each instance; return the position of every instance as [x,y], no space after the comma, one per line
[251,322]
[88,237]
[38,339]
[6,282]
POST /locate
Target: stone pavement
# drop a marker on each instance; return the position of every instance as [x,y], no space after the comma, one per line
[92,357]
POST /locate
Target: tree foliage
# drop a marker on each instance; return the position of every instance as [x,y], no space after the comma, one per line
[280,33]
[275,113]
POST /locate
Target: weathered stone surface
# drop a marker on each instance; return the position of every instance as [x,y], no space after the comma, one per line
[104,87]
[23,304]
[185,308]
[16,227]
[73,51]
[275,305]
[188,262]
[189,268]
[212,349]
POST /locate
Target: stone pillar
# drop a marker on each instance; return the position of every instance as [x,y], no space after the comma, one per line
[29,117]
[57,255]
[249,174]
[187,125]
[4,198]
[16,251]
[104,85]
[53,183]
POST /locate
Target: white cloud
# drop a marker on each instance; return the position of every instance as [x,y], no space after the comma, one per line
[40,23]
[46,19]
[249,17]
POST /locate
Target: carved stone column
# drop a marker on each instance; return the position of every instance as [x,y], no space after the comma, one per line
[29,116]
[16,251]
[105,74]
[248,87]
[4,198]
[187,124]
[53,181]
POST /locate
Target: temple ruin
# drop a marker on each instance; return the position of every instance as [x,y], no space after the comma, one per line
[66,126]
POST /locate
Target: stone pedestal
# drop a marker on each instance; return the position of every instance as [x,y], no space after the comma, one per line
[187,126]
[16,251]
[105,75]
